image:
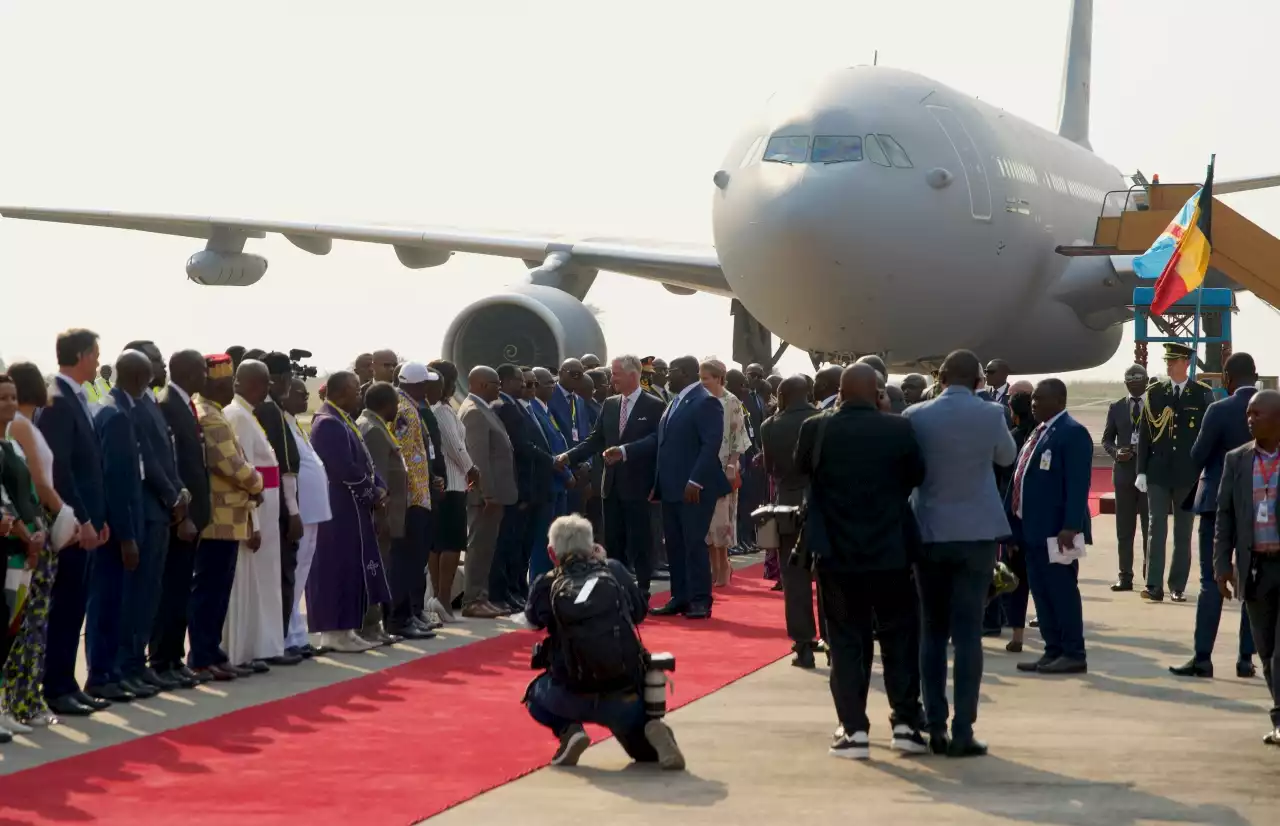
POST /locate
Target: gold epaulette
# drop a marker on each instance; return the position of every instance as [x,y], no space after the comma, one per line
[1157,423]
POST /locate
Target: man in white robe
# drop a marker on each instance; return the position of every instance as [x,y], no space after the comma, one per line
[253,633]
[313,506]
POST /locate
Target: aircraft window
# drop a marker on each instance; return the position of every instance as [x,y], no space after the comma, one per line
[875,152]
[787,149]
[836,148]
[897,155]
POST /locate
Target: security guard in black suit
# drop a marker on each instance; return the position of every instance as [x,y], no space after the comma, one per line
[1172,412]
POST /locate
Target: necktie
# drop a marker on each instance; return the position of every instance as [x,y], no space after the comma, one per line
[194,414]
[1177,394]
[1133,409]
[1023,461]
[622,415]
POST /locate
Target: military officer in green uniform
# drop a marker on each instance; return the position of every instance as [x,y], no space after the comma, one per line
[1171,417]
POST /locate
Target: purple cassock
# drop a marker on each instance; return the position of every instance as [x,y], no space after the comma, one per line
[346,573]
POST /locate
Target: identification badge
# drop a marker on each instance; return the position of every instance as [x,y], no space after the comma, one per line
[1264,511]
[750,432]
[142,469]
[431,450]
[1133,438]
[573,434]
[1046,459]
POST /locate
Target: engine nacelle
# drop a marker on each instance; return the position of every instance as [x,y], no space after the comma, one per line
[211,268]
[532,326]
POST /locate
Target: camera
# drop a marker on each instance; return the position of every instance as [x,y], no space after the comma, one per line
[660,662]
[302,371]
[656,681]
[540,659]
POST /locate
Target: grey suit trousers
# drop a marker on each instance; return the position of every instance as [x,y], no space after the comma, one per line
[1131,513]
[482,541]
[1162,501]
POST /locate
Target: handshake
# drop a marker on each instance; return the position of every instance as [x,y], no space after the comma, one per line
[612,456]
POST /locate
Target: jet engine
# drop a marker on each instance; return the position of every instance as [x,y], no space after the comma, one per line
[533,326]
[211,268]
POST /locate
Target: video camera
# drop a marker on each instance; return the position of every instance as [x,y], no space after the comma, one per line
[302,371]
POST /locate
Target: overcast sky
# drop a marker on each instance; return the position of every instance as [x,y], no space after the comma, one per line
[561,116]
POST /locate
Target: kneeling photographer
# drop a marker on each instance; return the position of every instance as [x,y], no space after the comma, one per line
[595,669]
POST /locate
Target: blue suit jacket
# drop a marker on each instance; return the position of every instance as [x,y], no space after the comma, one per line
[559,406]
[1223,428]
[689,437]
[529,448]
[557,442]
[162,484]
[121,466]
[77,458]
[1057,499]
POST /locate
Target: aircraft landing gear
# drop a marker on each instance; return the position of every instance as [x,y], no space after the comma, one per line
[752,341]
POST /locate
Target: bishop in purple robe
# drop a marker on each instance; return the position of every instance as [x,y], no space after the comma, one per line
[347,575]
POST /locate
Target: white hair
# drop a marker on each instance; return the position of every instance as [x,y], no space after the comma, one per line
[629,363]
[571,536]
[714,366]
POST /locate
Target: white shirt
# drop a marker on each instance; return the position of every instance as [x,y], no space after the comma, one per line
[453,440]
[1179,386]
[313,482]
[828,401]
[1048,426]
[629,405]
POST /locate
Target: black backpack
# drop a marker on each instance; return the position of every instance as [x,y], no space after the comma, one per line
[599,643]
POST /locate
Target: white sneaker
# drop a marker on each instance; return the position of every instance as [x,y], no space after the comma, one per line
[908,740]
[9,724]
[856,746]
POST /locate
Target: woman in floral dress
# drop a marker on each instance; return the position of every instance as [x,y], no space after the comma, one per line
[724,524]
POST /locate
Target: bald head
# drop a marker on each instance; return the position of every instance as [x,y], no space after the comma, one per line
[384,365]
[590,361]
[483,381]
[1264,419]
[793,392]
[876,363]
[253,381]
[1022,386]
[860,385]
[827,382]
[133,372]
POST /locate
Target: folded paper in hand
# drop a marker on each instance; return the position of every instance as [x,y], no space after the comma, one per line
[1061,557]
[65,529]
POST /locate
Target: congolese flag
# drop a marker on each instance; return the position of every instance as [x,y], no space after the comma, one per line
[1180,256]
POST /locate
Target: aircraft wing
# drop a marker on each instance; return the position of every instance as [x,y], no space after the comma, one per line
[1229,185]
[683,268]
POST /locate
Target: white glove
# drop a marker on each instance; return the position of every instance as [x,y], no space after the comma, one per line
[1141,482]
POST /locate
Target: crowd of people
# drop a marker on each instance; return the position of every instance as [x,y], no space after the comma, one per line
[178,511]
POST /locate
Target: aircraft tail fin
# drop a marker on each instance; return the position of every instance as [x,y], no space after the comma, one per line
[1073,107]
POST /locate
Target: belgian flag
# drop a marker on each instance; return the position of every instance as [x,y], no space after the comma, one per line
[1179,258]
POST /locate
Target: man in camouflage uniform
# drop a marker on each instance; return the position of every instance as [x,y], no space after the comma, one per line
[1172,412]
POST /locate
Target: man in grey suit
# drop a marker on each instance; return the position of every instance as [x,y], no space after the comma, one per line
[1120,441]
[1245,534]
[381,402]
[490,449]
[961,519]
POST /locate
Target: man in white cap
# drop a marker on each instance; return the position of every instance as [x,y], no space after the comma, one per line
[410,554]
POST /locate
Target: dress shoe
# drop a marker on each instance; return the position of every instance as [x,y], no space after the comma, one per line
[316,650]
[1035,665]
[481,610]
[112,692]
[1122,585]
[214,673]
[236,670]
[413,631]
[1013,647]
[95,703]
[256,666]
[285,659]
[159,681]
[1152,596]
[1272,738]
[966,748]
[1245,669]
[939,742]
[1193,668]
[68,706]
[180,681]
[1178,596]
[1066,665]
[803,658]
[698,611]
[670,609]
[139,689]
[185,671]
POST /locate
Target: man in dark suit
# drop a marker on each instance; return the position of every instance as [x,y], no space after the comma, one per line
[778,437]
[1120,441]
[164,503]
[508,576]
[1048,503]
[860,484]
[752,492]
[997,374]
[689,481]
[1225,427]
[562,480]
[569,410]
[1246,541]
[187,374]
[67,425]
[626,437]
[115,566]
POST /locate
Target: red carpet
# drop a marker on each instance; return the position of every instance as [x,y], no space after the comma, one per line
[392,747]
[1099,484]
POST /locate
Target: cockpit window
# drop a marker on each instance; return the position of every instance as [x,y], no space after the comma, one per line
[875,152]
[897,155]
[836,148]
[785,149]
